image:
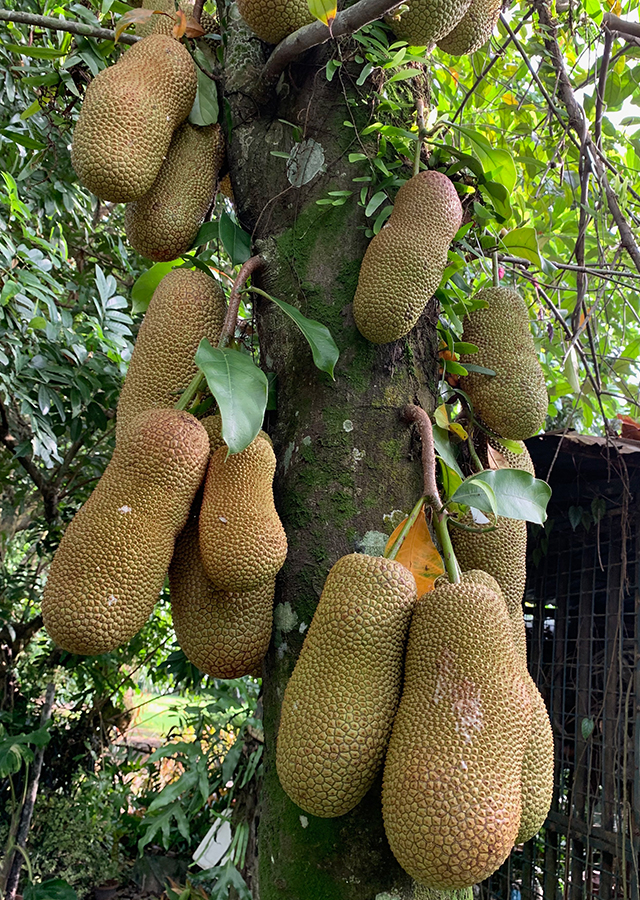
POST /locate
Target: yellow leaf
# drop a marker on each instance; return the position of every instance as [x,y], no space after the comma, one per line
[510,99]
[442,417]
[457,428]
[181,25]
[133,17]
[419,554]
[324,10]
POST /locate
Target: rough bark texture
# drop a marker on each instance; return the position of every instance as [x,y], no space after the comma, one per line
[347,464]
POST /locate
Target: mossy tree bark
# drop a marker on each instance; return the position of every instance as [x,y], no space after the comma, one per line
[347,466]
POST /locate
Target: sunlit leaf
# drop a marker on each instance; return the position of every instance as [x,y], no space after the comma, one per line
[523,242]
[324,10]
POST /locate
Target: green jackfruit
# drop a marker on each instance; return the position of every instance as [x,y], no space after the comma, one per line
[513,403]
[164,223]
[128,117]
[224,633]
[186,306]
[113,558]
[474,29]
[273,20]
[513,460]
[242,542]
[340,702]
[452,779]
[426,21]
[404,262]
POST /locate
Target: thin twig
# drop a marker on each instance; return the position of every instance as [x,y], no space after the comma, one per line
[230,320]
[422,133]
[53,24]
[602,84]
[346,22]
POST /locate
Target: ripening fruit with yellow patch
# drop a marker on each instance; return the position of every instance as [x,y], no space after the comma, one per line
[340,702]
[112,560]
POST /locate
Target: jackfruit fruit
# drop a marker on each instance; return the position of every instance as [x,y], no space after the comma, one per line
[128,116]
[186,306]
[224,633]
[474,29]
[452,779]
[112,560]
[339,703]
[427,21]
[242,542]
[164,25]
[164,223]
[513,403]
[404,262]
[273,20]
[514,460]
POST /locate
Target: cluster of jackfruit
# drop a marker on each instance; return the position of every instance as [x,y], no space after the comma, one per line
[132,144]
[464,738]
[457,26]
[513,402]
[404,263]
[172,501]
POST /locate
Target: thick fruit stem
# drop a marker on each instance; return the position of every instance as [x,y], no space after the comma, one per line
[229,326]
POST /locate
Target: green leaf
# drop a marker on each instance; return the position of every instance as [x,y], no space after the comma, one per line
[445,450]
[240,389]
[54,889]
[496,162]
[587,726]
[236,241]
[323,347]
[209,231]
[205,107]
[518,494]
[23,139]
[145,285]
[324,10]
[35,52]
[523,242]
[476,492]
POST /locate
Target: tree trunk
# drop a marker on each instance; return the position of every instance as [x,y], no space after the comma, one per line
[347,467]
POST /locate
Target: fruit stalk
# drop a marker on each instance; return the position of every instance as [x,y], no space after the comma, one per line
[413,413]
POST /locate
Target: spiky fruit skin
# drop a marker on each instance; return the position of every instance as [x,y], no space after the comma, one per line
[186,306]
[452,779]
[164,223]
[164,25]
[427,21]
[513,403]
[273,20]
[112,560]
[403,264]
[224,633]
[473,30]
[513,460]
[339,703]
[242,542]
[128,116]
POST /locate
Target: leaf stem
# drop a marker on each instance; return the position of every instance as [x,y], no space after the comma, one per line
[496,270]
[422,131]
[413,413]
[475,459]
[229,325]
[413,515]
[196,384]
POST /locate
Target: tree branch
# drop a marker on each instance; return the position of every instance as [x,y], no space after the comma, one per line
[614,23]
[231,318]
[53,24]
[47,490]
[346,22]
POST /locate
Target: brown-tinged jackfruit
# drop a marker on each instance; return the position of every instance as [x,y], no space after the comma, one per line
[474,29]
[340,702]
[164,223]
[128,116]
[186,306]
[226,188]
[452,779]
[404,262]
[426,21]
[164,25]
[537,763]
[242,542]
[513,403]
[113,558]
[273,20]
[224,633]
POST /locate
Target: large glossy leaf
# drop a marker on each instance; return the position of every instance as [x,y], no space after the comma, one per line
[477,492]
[323,347]
[518,495]
[53,889]
[523,242]
[240,389]
[235,240]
